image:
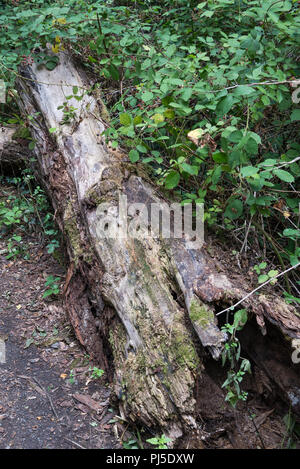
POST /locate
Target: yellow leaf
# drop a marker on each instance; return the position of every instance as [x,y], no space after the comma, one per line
[169,113]
[158,118]
[19,306]
[57,39]
[61,20]
[286,214]
[195,134]
[63,375]
[55,49]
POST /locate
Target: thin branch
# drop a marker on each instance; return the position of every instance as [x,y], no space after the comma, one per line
[256,289]
[289,162]
[74,443]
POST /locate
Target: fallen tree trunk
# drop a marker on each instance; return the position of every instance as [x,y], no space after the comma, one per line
[150,301]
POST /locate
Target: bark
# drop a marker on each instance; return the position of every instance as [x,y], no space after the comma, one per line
[151,302]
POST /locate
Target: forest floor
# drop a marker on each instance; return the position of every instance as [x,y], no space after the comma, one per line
[49,397]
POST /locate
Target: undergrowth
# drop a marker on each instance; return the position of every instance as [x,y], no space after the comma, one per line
[204,93]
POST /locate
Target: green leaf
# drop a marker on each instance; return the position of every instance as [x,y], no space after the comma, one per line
[141,149]
[172,180]
[251,146]
[240,319]
[192,170]
[147,96]
[220,157]
[114,72]
[290,233]
[295,116]
[234,209]
[186,94]
[236,136]
[243,90]
[263,278]
[137,120]
[283,175]
[125,119]
[134,156]
[225,105]
[50,65]
[272,273]
[249,171]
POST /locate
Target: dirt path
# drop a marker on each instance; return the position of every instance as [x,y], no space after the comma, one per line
[48,395]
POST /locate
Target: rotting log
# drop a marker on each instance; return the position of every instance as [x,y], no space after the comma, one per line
[145,299]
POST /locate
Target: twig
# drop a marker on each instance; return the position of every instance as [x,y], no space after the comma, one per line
[258,288]
[49,398]
[100,31]
[288,162]
[74,443]
[246,237]
[256,430]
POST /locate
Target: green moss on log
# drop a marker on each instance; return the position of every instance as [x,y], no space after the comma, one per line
[200,314]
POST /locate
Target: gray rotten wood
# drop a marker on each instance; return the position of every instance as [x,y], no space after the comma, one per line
[162,291]
[12,152]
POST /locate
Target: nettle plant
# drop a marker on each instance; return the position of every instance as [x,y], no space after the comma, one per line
[201,92]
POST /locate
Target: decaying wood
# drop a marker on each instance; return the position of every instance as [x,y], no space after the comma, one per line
[12,152]
[137,283]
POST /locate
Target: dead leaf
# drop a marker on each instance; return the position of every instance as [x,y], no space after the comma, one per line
[88,401]
[195,135]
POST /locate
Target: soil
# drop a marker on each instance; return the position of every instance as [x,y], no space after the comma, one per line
[49,395]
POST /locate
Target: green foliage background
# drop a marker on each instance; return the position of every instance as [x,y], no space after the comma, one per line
[222,68]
